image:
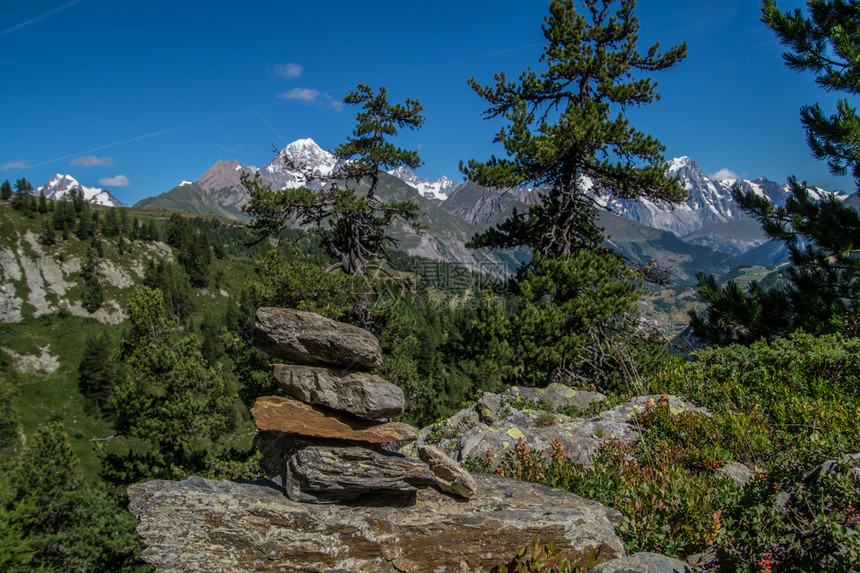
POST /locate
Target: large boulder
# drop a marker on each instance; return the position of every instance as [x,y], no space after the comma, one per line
[277,414]
[308,338]
[225,526]
[357,393]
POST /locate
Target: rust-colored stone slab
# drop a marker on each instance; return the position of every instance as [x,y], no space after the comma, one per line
[276,414]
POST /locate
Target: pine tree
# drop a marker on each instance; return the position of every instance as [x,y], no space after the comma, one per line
[110,226]
[567,130]
[47,237]
[92,295]
[169,399]
[23,186]
[62,523]
[97,372]
[5,190]
[175,287]
[32,207]
[8,416]
[826,43]
[43,203]
[573,323]
[193,251]
[86,228]
[822,236]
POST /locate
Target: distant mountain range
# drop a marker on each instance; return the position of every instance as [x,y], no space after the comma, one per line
[454,212]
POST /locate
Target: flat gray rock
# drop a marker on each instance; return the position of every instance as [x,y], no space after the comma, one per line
[309,338]
[643,563]
[320,474]
[225,526]
[358,393]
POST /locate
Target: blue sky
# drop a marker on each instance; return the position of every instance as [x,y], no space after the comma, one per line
[137,97]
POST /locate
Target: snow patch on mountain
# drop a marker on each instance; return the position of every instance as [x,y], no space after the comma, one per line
[440,189]
[59,186]
[710,200]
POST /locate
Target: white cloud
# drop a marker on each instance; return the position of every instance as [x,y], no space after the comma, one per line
[91,161]
[15,165]
[117,181]
[288,70]
[309,96]
[335,104]
[724,174]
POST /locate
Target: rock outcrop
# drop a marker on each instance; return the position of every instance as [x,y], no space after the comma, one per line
[225,526]
[322,474]
[643,563]
[276,414]
[539,416]
[358,393]
[450,477]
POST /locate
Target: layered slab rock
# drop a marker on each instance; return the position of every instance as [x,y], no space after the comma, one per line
[223,526]
[321,474]
[308,338]
[276,414]
[357,393]
[450,477]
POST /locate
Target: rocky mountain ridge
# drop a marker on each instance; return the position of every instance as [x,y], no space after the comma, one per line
[709,219]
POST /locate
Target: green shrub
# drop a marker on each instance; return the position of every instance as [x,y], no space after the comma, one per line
[669,508]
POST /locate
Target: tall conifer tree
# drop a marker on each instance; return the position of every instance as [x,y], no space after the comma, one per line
[566,131]
[822,236]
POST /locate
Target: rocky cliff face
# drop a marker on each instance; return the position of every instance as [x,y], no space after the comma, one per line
[35,282]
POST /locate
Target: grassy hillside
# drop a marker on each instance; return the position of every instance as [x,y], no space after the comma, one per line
[191,198]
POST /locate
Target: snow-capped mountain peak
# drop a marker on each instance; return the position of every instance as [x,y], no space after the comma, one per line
[305,154]
[59,186]
[440,189]
[679,163]
[710,199]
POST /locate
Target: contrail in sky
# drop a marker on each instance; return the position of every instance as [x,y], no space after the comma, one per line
[42,17]
[254,110]
[147,136]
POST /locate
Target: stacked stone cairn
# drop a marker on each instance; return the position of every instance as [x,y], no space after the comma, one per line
[329,444]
